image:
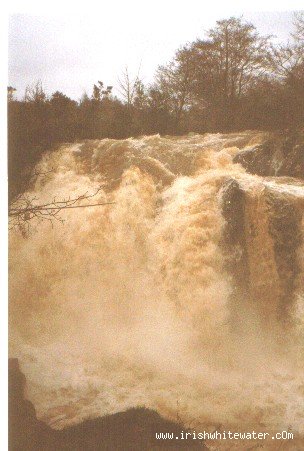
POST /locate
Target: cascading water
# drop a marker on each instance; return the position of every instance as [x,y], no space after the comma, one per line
[174,297]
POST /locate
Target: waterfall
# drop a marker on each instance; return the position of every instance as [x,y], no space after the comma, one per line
[182,295]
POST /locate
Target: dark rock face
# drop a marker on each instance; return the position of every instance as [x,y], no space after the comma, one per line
[233,210]
[257,159]
[285,230]
[25,431]
[276,157]
[133,430]
[261,241]
[234,244]
[293,161]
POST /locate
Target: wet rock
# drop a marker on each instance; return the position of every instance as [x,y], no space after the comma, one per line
[285,230]
[261,242]
[235,250]
[293,162]
[257,159]
[283,156]
[25,431]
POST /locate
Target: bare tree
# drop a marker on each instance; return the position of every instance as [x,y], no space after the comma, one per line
[175,81]
[298,23]
[218,70]
[242,55]
[35,93]
[128,86]
[286,59]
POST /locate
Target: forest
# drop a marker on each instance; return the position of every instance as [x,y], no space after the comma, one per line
[232,80]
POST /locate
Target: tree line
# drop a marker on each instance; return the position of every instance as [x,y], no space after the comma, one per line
[234,79]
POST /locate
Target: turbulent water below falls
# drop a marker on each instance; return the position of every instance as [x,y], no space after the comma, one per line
[144,302]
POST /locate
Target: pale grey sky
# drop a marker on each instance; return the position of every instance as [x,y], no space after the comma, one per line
[71,52]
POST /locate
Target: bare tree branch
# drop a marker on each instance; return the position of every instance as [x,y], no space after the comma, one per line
[25,209]
[127,86]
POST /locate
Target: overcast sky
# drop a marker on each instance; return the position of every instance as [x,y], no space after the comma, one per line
[70,53]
